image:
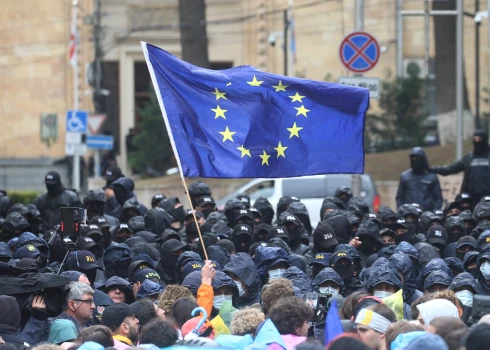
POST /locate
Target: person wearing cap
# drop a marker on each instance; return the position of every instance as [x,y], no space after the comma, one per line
[483,262]
[437,237]
[388,237]
[112,174]
[343,263]
[437,281]
[418,185]
[321,261]
[121,320]
[95,203]
[118,289]
[293,225]
[56,197]
[465,201]
[372,323]
[464,245]
[142,275]
[206,205]
[465,287]
[156,199]
[122,233]
[190,228]
[475,165]
[242,237]
[328,282]
[245,216]
[104,227]
[170,252]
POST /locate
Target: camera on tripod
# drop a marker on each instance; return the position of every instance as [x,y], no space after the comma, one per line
[72,220]
[319,303]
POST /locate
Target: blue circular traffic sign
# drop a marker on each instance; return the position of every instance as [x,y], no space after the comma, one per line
[359,52]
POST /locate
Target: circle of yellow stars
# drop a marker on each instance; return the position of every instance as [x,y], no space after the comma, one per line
[293,130]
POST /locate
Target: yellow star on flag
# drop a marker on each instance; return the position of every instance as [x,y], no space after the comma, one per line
[254,82]
[227,134]
[219,94]
[280,150]
[219,112]
[302,110]
[280,87]
[265,158]
[245,152]
[294,130]
[296,97]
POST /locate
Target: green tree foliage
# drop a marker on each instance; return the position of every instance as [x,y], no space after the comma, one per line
[153,149]
[400,123]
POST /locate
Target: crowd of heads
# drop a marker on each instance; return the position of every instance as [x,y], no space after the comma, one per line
[137,275]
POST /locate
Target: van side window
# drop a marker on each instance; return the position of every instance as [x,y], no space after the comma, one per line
[304,188]
[263,189]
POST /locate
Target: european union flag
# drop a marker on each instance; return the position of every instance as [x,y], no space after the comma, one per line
[242,122]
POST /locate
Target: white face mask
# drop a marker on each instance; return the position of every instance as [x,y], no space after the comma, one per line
[466,297]
[382,294]
[218,300]
[485,270]
[275,274]
[241,291]
[328,290]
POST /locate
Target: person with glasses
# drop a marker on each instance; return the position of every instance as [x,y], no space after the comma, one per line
[124,325]
[79,305]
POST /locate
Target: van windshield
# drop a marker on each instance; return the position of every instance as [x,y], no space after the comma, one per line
[320,187]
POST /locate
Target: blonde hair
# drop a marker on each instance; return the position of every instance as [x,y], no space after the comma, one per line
[246,321]
[171,294]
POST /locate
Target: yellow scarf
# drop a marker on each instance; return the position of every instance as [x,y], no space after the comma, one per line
[123,339]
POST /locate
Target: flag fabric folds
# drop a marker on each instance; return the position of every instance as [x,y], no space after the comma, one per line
[242,122]
[333,326]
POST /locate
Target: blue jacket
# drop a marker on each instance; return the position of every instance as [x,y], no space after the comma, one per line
[437,277]
[301,282]
[327,274]
[434,265]
[117,259]
[422,188]
[268,256]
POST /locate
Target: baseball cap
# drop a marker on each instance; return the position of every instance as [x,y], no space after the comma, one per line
[113,173]
[157,198]
[400,223]
[99,221]
[278,232]
[322,259]
[172,245]
[205,200]
[115,314]
[93,229]
[189,214]
[461,197]
[191,266]
[85,243]
[244,213]
[340,255]
[52,178]
[467,240]
[5,251]
[242,229]
[83,260]
[146,274]
[122,227]
[437,235]
[324,236]
[27,251]
[387,232]
[288,217]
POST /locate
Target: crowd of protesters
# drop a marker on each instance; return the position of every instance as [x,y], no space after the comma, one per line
[251,275]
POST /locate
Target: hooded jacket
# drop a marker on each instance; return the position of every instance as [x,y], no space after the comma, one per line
[117,259]
[437,277]
[123,190]
[434,265]
[10,321]
[301,282]
[300,210]
[268,256]
[242,265]
[266,209]
[420,187]
[49,206]
[327,274]
[341,226]
[464,279]
[157,220]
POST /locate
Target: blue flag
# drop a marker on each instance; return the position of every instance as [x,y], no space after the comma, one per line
[333,326]
[242,122]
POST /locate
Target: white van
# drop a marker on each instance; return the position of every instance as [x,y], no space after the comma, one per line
[310,189]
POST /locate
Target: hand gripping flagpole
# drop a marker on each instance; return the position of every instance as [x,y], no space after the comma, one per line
[194,215]
[172,142]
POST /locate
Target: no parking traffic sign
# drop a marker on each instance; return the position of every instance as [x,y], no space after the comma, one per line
[359,52]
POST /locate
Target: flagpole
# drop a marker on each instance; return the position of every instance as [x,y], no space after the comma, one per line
[76,155]
[194,215]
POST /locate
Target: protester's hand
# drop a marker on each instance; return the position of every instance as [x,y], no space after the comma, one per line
[355,242]
[109,193]
[38,303]
[208,272]
[2,341]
